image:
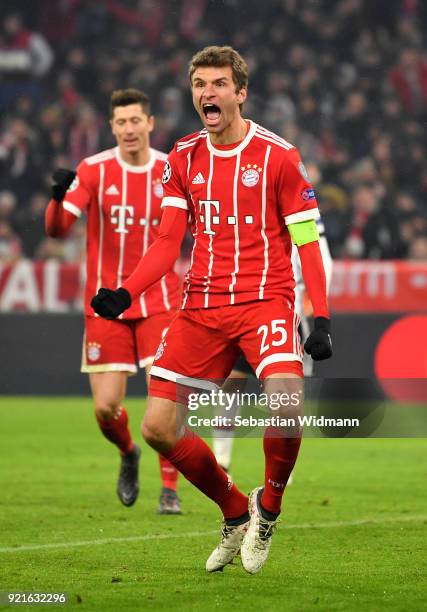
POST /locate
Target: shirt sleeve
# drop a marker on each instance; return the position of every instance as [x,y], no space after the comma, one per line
[174,191]
[297,199]
[57,220]
[314,277]
[80,192]
[161,255]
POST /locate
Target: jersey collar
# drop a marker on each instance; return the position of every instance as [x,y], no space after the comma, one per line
[230,152]
[137,169]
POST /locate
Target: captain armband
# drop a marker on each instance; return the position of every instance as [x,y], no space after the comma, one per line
[303,232]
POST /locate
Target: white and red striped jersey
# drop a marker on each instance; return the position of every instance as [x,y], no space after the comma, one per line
[240,198]
[123,207]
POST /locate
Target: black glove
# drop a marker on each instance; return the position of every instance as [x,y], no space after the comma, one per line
[319,344]
[62,179]
[110,304]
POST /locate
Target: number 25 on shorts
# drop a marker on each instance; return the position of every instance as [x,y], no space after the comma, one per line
[274,333]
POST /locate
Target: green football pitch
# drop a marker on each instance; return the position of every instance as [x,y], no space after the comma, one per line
[352,536]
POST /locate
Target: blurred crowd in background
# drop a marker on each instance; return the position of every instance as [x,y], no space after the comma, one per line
[343,80]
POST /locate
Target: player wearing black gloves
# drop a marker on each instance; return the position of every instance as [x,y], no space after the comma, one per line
[319,343]
[62,179]
[110,304]
[236,297]
[112,350]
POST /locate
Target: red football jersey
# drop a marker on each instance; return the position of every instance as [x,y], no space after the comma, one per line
[240,197]
[123,207]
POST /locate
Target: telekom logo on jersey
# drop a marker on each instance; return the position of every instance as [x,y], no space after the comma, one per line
[125,215]
[211,216]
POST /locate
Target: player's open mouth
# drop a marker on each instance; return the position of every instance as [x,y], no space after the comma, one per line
[212,112]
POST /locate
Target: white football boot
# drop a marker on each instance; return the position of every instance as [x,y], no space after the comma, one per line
[229,546]
[257,541]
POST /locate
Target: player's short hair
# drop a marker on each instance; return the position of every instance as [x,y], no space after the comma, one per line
[219,57]
[124,97]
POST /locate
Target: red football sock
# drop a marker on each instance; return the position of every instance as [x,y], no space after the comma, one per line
[168,473]
[195,460]
[280,456]
[117,431]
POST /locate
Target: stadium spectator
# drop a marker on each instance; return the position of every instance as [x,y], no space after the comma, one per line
[49,248]
[82,69]
[25,57]
[84,134]
[418,248]
[409,80]
[7,205]
[29,223]
[10,244]
[373,231]
[355,123]
[68,93]
[20,159]
[54,135]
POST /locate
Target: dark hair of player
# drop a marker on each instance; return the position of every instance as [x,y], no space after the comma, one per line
[125,97]
[219,57]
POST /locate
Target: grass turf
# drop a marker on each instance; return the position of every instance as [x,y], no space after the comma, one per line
[352,536]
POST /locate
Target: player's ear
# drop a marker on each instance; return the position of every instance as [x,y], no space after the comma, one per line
[242,95]
[112,126]
[151,122]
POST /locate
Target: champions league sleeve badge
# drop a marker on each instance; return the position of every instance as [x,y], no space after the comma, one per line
[167,173]
[74,184]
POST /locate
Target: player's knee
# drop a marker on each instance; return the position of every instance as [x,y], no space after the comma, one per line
[157,435]
[105,411]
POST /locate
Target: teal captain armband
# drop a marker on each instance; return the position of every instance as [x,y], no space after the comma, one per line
[303,232]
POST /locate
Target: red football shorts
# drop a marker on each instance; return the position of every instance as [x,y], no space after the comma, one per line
[204,343]
[122,345]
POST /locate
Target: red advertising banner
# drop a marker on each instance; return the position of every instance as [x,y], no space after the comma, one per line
[379,286]
[357,286]
[41,286]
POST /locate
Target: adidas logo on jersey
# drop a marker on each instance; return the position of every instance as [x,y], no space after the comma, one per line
[198,179]
[112,190]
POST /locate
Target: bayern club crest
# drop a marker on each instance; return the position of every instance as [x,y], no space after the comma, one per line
[93,351]
[158,190]
[250,176]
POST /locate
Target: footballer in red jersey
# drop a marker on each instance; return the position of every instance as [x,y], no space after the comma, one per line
[120,191]
[249,198]
[240,198]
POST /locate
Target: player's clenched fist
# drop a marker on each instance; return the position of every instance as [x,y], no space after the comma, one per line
[319,344]
[62,179]
[110,304]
